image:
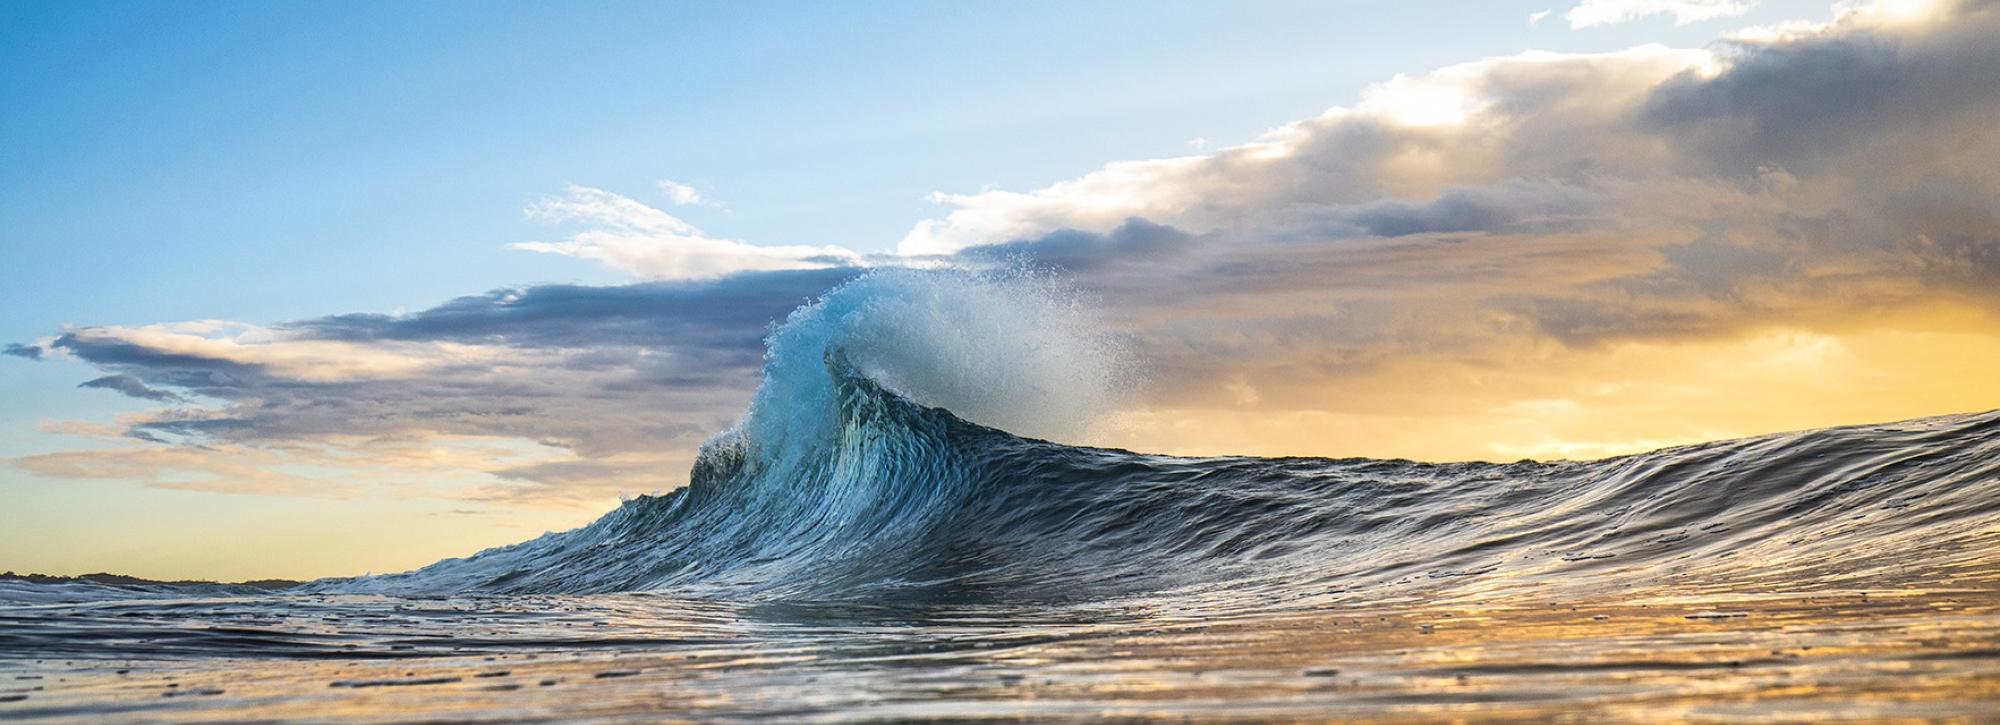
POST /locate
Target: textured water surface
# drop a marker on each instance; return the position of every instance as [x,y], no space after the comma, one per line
[1886,653]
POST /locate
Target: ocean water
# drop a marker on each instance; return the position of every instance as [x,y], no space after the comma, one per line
[857,548]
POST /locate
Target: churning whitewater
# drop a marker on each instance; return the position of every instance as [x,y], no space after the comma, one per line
[859,474]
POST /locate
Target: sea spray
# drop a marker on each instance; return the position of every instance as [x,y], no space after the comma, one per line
[1014,349]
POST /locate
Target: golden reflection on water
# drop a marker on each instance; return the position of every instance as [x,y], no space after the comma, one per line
[1875,654]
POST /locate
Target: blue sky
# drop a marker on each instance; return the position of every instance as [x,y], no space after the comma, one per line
[317,156]
[274,162]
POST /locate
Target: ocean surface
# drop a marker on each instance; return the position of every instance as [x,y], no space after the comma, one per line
[858,549]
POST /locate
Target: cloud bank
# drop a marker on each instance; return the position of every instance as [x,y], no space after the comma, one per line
[1797,178]
[612,387]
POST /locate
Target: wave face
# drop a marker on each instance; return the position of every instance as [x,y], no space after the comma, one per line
[854,477]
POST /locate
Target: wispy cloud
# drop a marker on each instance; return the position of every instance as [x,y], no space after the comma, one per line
[130,386]
[240,471]
[648,243]
[1593,13]
[613,387]
[680,194]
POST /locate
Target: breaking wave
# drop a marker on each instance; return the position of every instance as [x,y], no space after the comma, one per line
[859,473]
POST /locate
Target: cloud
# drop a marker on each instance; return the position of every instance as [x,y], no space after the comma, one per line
[651,244]
[30,352]
[718,316]
[680,194]
[130,386]
[1593,13]
[188,469]
[1523,118]
[1075,250]
[1499,209]
[620,382]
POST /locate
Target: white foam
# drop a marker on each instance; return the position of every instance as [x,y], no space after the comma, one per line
[1014,350]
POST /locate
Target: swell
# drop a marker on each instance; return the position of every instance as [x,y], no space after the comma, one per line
[908,503]
[853,476]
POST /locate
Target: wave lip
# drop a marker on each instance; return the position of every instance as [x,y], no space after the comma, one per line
[847,481]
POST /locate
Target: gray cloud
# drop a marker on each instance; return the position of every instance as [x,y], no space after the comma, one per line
[31,352]
[1823,102]
[1136,241]
[130,386]
[202,375]
[727,314]
[1796,178]
[629,378]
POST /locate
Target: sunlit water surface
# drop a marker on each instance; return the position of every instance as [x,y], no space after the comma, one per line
[1885,653]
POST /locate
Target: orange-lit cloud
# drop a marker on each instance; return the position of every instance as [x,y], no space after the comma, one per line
[1452,267]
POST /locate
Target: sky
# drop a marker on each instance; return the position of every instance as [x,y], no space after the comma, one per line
[306,290]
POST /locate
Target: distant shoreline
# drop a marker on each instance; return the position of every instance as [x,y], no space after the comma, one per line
[121,580]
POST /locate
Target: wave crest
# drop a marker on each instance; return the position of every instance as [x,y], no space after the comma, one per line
[1015,350]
